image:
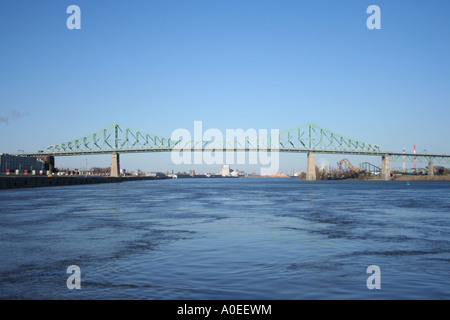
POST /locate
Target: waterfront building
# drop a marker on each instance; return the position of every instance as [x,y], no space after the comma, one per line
[13,162]
[225,171]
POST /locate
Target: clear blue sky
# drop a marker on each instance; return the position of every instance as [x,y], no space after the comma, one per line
[160,65]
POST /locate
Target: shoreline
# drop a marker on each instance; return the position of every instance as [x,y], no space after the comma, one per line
[16,182]
[420,178]
[395,178]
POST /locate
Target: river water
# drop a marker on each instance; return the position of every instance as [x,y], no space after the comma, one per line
[227,239]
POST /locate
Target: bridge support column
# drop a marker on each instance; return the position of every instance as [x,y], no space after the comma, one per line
[49,162]
[431,168]
[385,168]
[311,168]
[115,165]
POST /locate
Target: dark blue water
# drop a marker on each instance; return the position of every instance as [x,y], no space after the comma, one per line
[227,239]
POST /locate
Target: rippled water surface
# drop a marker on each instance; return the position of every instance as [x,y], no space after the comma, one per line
[227,239]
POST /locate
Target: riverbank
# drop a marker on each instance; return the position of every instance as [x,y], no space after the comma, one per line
[420,178]
[397,178]
[13,182]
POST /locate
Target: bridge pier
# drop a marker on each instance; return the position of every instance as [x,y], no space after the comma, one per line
[49,163]
[310,168]
[431,168]
[385,168]
[115,165]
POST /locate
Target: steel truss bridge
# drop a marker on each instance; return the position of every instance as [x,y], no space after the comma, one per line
[309,138]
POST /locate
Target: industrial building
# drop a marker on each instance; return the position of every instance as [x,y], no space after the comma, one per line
[11,163]
[225,171]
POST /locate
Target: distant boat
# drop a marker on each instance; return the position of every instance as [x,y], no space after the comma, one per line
[174,176]
[407,183]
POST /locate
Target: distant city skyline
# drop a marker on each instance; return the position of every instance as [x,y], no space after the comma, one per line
[157,66]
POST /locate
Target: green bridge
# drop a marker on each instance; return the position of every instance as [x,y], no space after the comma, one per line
[309,138]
